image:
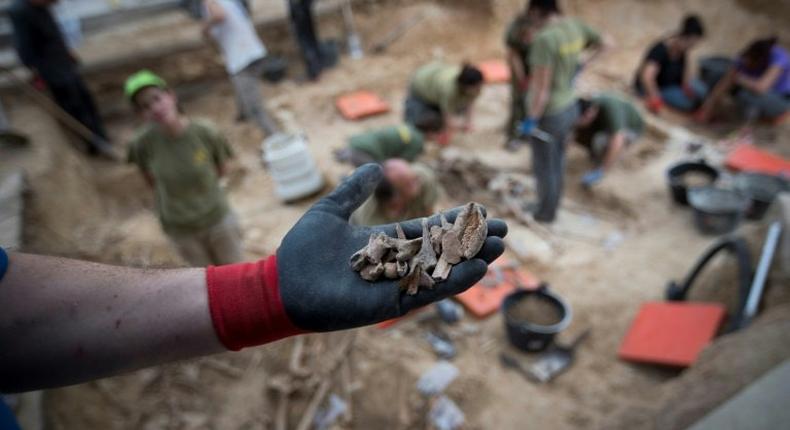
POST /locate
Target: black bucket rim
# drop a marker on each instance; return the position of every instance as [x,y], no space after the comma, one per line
[553,329]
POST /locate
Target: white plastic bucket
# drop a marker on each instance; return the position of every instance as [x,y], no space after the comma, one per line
[291,166]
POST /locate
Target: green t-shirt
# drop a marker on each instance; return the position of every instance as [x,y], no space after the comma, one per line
[371,213]
[514,41]
[398,141]
[614,115]
[558,47]
[184,169]
[436,83]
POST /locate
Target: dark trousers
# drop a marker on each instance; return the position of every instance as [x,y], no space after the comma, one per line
[548,161]
[73,96]
[303,27]
[415,108]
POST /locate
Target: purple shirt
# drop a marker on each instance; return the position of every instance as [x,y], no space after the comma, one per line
[779,57]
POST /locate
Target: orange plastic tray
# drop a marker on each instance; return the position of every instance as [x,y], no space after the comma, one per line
[361,104]
[485,297]
[671,333]
[495,71]
[749,158]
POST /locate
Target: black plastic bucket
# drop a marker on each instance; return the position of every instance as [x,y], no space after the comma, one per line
[527,335]
[761,189]
[717,210]
[677,174]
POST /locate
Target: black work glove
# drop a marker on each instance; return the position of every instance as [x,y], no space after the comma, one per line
[320,291]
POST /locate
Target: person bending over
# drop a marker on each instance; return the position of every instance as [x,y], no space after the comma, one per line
[606,126]
[407,191]
[447,89]
[760,81]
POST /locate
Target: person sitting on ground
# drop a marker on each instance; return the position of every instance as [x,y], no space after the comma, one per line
[243,52]
[407,191]
[606,126]
[405,141]
[665,75]
[65,321]
[556,53]
[447,89]
[761,79]
[182,160]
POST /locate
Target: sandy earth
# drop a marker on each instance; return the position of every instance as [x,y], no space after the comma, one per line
[94,210]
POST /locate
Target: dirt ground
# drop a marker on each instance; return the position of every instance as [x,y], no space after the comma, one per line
[611,249]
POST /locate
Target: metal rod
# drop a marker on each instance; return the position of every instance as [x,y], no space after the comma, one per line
[758,283]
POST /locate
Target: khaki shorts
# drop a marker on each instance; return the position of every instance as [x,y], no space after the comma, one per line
[215,245]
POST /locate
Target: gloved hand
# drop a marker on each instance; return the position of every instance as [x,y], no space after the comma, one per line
[526,126]
[320,292]
[592,177]
[310,285]
[654,104]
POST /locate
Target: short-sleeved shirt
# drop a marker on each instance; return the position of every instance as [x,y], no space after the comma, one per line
[184,168]
[401,141]
[614,115]
[237,38]
[670,70]
[514,41]
[372,213]
[436,83]
[781,58]
[559,46]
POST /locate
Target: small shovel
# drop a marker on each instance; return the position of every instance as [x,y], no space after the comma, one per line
[555,361]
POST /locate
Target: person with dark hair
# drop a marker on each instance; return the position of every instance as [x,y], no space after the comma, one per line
[555,56]
[665,77]
[182,160]
[606,126]
[405,141]
[41,47]
[449,90]
[408,190]
[761,79]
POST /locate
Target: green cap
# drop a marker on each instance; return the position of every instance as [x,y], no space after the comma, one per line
[140,80]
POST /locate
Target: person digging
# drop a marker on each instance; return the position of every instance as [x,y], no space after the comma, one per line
[607,125]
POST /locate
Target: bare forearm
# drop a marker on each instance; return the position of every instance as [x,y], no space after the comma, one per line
[65,321]
[539,93]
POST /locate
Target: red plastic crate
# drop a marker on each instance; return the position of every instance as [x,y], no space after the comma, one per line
[671,333]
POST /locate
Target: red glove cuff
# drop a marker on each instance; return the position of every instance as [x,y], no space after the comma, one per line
[245,304]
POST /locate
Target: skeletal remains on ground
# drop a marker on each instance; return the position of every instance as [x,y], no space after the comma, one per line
[423,261]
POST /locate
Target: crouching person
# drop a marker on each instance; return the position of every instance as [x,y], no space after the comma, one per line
[606,126]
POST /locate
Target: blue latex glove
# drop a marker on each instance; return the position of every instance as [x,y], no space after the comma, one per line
[592,177]
[526,126]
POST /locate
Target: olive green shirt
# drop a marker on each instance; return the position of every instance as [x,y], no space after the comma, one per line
[614,115]
[184,169]
[401,141]
[436,83]
[514,41]
[558,46]
[372,213]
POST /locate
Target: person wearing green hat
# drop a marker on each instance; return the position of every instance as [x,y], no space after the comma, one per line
[182,159]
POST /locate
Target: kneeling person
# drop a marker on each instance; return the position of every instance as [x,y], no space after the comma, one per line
[606,125]
[407,191]
[405,141]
